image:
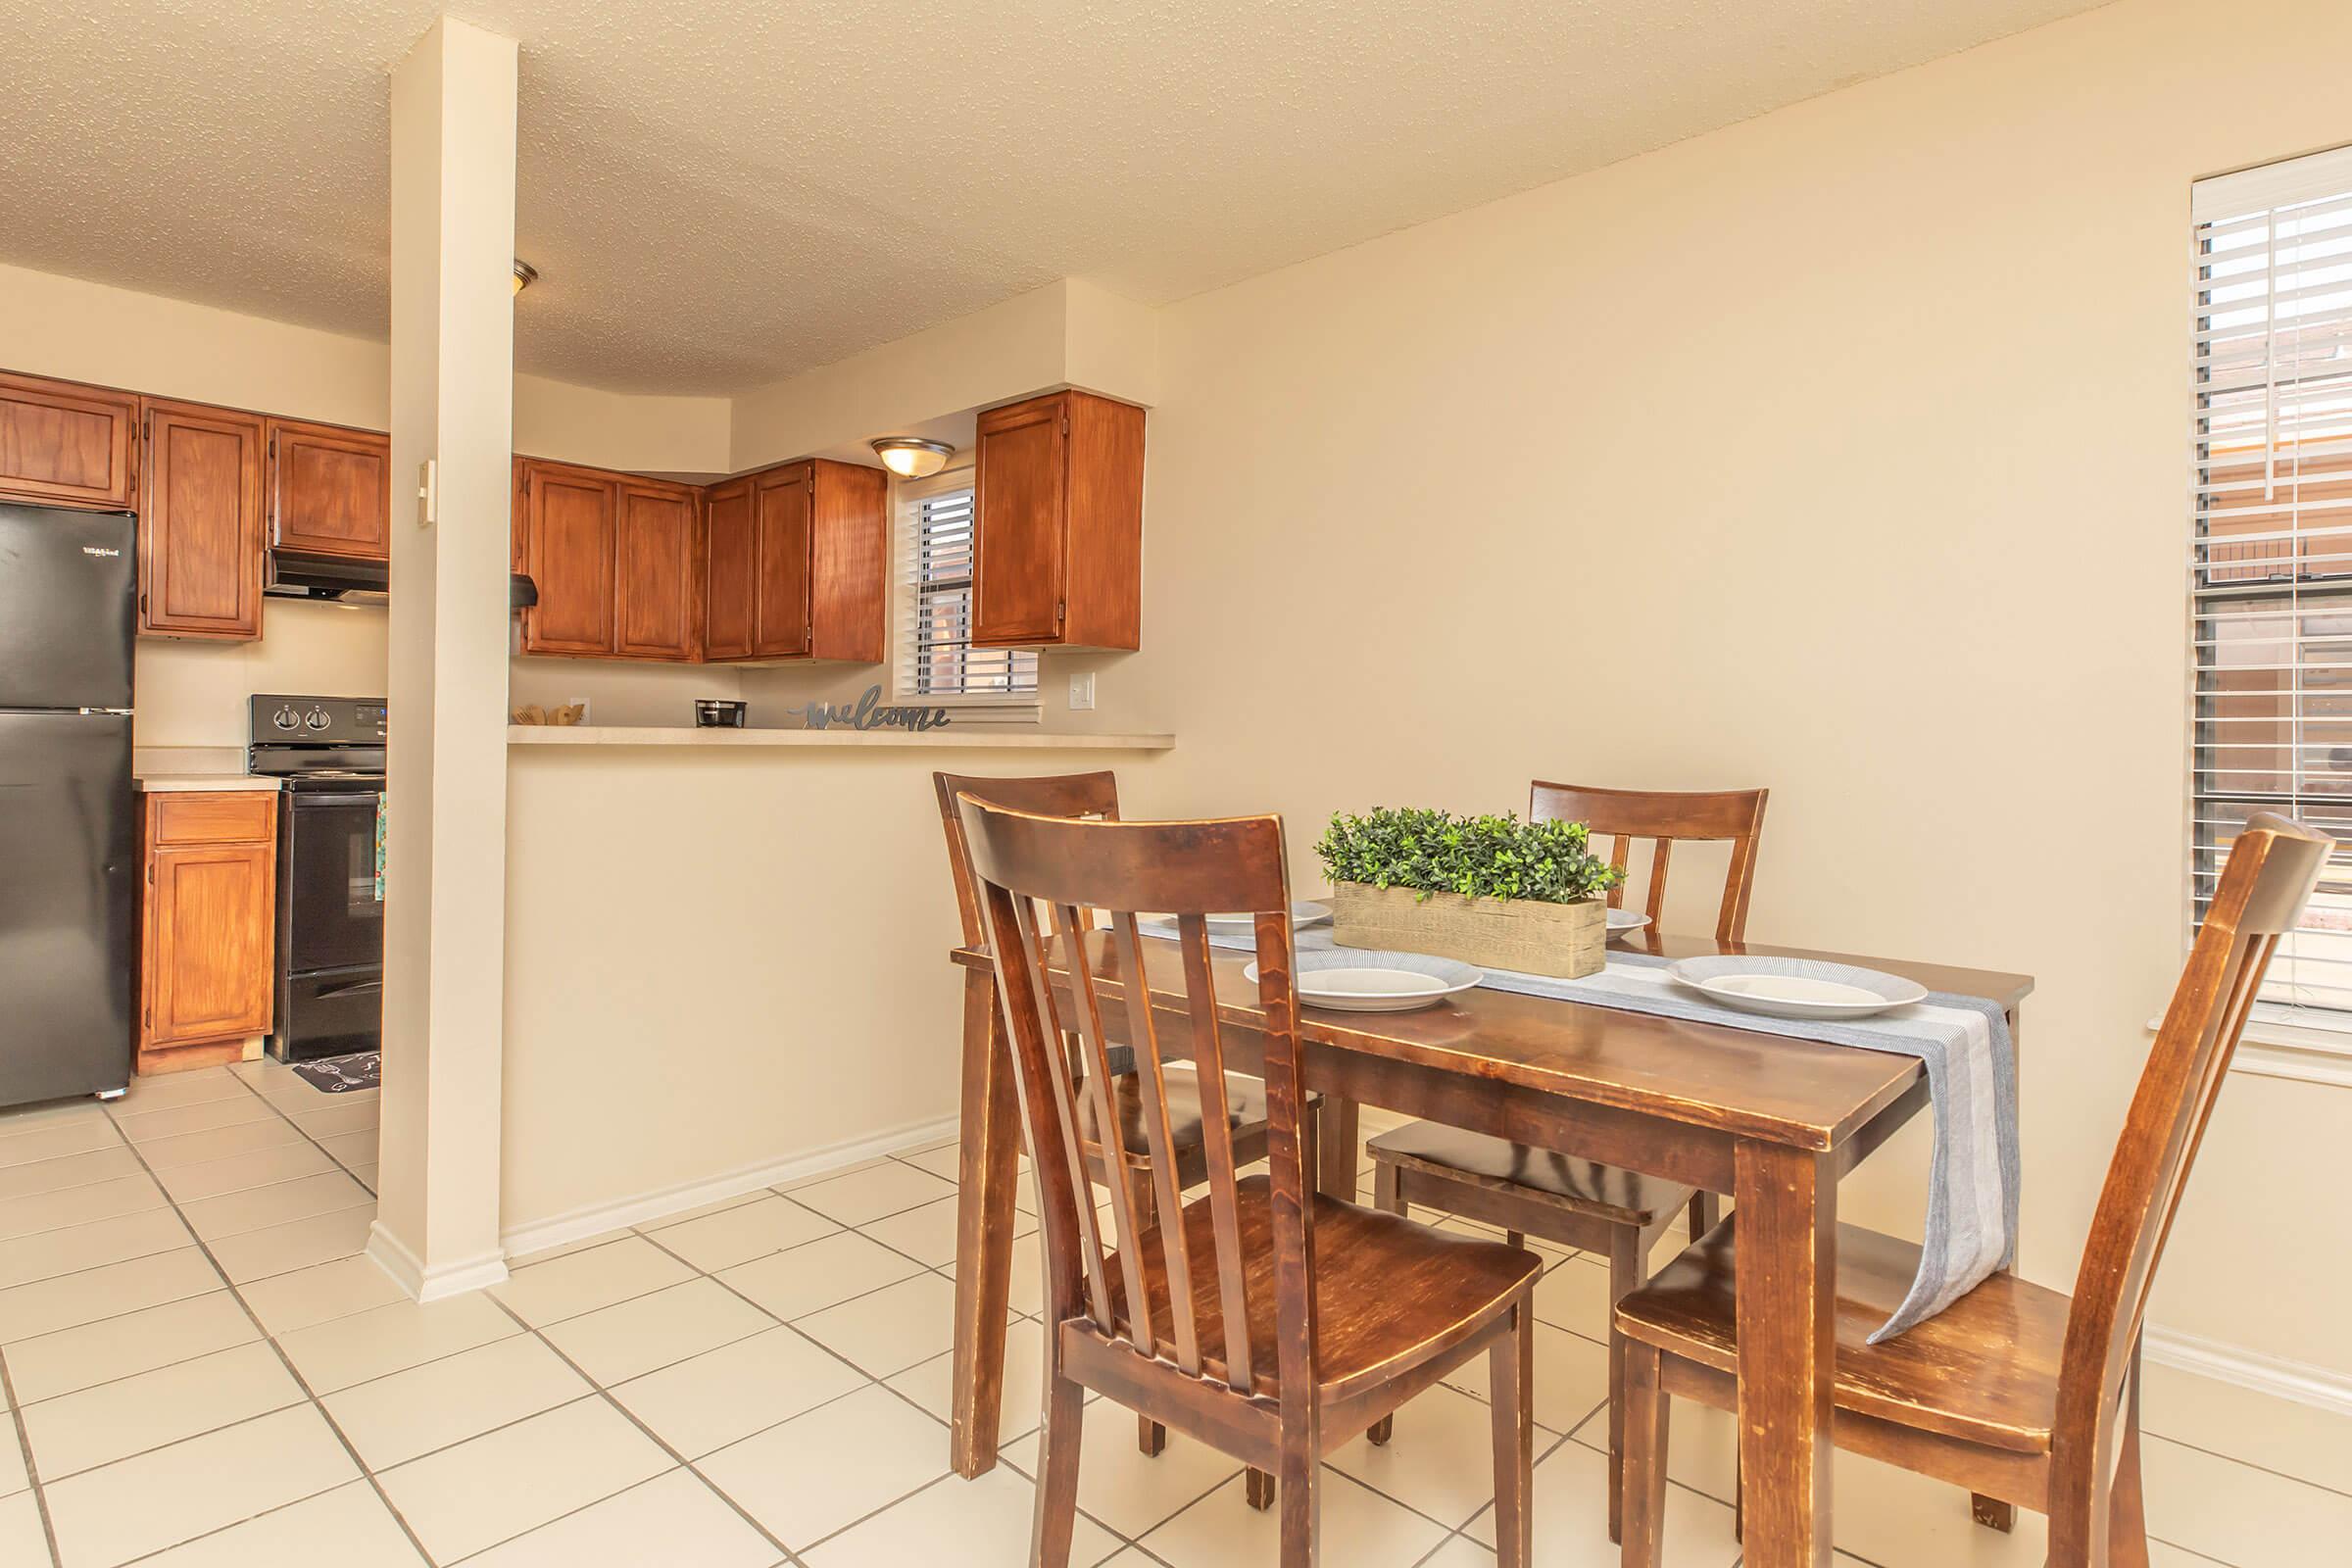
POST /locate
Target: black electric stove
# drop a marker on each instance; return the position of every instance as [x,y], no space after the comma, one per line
[330,751]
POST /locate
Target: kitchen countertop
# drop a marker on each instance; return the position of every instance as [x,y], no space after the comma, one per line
[976,738]
[163,783]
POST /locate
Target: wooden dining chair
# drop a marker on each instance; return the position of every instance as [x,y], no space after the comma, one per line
[2014,1391]
[1582,1203]
[1097,796]
[1263,1319]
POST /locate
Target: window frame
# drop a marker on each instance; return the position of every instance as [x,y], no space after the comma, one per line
[2285,1037]
[907,499]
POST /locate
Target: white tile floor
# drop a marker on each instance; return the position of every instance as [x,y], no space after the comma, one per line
[199,1369]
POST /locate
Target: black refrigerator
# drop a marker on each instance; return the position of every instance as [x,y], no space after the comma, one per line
[68,833]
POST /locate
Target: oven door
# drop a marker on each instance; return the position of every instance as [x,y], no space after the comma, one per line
[328,914]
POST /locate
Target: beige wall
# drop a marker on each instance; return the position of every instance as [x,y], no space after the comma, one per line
[1839,452]
[192,694]
[718,961]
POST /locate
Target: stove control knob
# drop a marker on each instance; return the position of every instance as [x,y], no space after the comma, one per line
[318,718]
[284,718]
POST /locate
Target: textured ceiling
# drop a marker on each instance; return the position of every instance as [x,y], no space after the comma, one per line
[718,193]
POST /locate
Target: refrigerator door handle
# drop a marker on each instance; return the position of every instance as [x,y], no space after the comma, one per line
[119,713]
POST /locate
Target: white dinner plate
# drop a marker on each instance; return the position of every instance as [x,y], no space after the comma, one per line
[1796,988]
[1626,920]
[1360,980]
[1304,912]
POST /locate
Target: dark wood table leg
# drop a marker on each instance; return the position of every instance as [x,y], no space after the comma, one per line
[987,1167]
[1341,1145]
[1788,1200]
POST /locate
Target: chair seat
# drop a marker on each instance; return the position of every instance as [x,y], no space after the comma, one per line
[1393,1292]
[1245,1109]
[1582,1186]
[1984,1369]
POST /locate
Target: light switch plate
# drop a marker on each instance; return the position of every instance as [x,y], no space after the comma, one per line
[1082,692]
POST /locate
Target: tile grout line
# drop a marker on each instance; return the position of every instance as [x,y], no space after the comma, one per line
[2231,1458]
[292,1371]
[32,1471]
[653,1436]
[871,1382]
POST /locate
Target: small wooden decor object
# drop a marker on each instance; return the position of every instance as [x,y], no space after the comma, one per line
[1563,939]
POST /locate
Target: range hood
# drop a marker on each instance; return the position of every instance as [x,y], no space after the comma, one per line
[296,574]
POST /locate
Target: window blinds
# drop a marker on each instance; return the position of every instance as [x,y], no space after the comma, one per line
[2271,560]
[936,655]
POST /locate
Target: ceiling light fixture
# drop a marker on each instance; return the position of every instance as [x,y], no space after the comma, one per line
[912,459]
[525,274]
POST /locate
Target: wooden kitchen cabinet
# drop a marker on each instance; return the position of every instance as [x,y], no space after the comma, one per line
[63,444]
[206,926]
[727,574]
[1057,561]
[655,571]
[781,504]
[567,522]
[797,564]
[329,490]
[201,537]
[785,563]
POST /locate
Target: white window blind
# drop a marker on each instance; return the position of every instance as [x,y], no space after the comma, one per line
[936,659]
[2271,562]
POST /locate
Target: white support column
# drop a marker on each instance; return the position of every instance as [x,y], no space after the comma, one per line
[453,407]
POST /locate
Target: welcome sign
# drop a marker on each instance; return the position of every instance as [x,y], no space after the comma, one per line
[869,712]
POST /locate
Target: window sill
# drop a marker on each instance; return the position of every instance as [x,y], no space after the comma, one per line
[2271,1049]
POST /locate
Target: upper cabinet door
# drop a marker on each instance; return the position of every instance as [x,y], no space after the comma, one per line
[62,444]
[567,545]
[200,522]
[728,571]
[780,508]
[330,490]
[1019,558]
[849,547]
[1059,557]
[655,556]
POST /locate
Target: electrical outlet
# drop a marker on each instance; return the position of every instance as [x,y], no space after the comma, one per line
[1082,692]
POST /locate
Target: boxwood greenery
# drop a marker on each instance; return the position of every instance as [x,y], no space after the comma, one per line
[1477,857]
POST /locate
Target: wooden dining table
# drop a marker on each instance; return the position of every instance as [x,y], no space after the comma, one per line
[1771,1120]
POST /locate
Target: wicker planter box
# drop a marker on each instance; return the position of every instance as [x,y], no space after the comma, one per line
[1562,940]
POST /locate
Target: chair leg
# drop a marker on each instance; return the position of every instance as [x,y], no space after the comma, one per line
[1706,1209]
[1257,1485]
[1057,1474]
[1992,1512]
[1388,1195]
[1301,1499]
[1510,1379]
[1625,1277]
[2126,1509]
[1642,1495]
[1739,1501]
[1516,1238]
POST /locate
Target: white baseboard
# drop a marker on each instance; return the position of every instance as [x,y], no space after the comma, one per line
[2299,1381]
[597,1218]
[393,1256]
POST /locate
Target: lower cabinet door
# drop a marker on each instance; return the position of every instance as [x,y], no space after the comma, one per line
[210,918]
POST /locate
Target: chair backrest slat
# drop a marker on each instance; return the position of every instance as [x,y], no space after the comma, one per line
[1041,1072]
[1190,870]
[1095,1083]
[2272,870]
[1665,817]
[1216,1134]
[1151,1083]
